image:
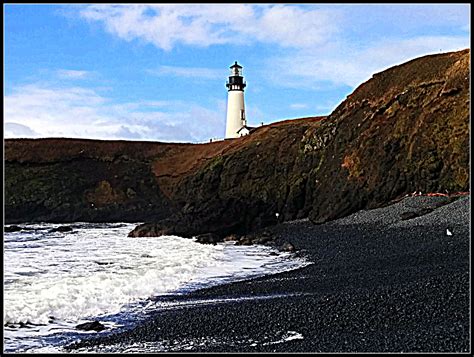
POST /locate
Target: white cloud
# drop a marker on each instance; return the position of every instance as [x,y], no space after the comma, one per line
[165,26]
[38,110]
[298,106]
[346,64]
[292,26]
[189,72]
[161,25]
[72,74]
[18,131]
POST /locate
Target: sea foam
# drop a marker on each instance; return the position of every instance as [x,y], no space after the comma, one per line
[59,279]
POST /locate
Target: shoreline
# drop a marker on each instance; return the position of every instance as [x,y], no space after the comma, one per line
[379,282]
[105,281]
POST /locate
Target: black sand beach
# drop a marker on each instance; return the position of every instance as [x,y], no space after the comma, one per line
[378,283]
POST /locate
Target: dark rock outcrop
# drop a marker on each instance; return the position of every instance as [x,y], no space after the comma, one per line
[12,228]
[287,247]
[91,326]
[208,238]
[62,229]
[231,238]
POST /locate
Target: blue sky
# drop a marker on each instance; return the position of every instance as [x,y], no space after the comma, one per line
[158,72]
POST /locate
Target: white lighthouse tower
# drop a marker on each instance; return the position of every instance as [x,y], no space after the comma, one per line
[235,103]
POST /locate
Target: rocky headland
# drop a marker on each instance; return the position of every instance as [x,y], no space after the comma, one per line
[404,130]
[373,195]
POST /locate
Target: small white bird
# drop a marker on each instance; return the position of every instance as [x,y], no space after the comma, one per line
[448,232]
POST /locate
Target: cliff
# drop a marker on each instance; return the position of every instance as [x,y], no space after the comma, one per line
[406,129]
[66,180]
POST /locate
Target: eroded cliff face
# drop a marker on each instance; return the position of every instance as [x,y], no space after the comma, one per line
[50,186]
[404,130]
[243,189]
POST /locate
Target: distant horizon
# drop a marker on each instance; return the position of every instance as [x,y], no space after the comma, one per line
[157,73]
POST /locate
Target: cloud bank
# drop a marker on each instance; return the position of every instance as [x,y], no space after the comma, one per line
[166,26]
[41,110]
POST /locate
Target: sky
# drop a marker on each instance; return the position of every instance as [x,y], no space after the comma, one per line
[157,72]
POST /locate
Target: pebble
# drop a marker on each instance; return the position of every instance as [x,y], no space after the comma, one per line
[398,283]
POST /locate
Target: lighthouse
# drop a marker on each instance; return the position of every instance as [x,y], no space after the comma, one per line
[236,124]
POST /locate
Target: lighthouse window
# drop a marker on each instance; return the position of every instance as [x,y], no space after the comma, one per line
[236,71]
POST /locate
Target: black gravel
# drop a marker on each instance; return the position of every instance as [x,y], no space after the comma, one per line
[378,283]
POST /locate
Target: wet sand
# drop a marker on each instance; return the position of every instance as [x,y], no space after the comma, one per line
[380,282]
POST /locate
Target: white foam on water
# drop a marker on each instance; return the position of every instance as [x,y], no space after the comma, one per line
[60,279]
[288,336]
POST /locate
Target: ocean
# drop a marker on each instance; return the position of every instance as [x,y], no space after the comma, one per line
[55,280]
